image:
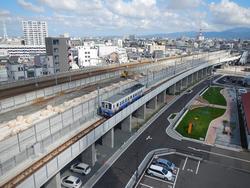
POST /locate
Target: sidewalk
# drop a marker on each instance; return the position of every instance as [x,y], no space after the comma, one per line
[215,134]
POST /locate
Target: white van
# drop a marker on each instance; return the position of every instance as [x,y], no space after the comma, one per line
[160,172]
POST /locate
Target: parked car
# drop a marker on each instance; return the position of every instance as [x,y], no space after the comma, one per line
[71,182]
[80,168]
[166,164]
[160,172]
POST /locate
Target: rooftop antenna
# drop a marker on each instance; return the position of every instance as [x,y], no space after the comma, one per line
[5,36]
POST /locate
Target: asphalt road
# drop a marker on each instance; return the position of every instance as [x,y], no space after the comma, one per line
[121,171]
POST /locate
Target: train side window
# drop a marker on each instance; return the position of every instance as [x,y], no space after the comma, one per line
[117,104]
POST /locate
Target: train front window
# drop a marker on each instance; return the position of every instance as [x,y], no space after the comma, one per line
[109,106]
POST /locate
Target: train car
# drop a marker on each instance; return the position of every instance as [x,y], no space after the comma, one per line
[121,100]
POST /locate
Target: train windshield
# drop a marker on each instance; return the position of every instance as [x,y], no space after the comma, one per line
[106,105]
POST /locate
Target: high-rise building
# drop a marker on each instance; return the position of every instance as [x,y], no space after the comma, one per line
[35,32]
[58,49]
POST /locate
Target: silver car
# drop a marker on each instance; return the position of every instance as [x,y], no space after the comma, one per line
[71,182]
[80,168]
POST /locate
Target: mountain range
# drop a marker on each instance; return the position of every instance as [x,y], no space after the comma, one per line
[235,33]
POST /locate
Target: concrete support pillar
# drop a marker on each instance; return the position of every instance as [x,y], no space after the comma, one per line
[140,112]
[178,87]
[196,76]
[172,89]
[108,138]
[184,83]
[161,98]
[199,74]
[189,80]
[89,155]
[54,182]
[209,71]
[152,104]
[205,72]
[126,124]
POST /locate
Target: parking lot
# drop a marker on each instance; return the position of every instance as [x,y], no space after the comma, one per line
[196,173]
[151,181]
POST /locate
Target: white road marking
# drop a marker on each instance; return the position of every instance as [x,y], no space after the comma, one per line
[159,179]
[176,177]
[221,155]
[185,163]
[144,185]
[149,138]
[196,172]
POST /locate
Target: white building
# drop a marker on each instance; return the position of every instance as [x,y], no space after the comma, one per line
[16,71]
[155,47]
[120,43]
[87,56]
[122,54]
[104,50]
[22,50]
[35,32]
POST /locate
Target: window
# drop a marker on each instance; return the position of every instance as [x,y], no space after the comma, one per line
[117,104]
[56,50]
[55,42]
[109,106]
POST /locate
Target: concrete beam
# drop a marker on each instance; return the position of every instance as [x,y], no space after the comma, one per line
[152,104]
[108,138]
[89,155]
[140,112]
[54,182]
[126,124]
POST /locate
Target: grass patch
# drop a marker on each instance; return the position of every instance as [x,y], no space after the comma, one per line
[201,118]
[213,96]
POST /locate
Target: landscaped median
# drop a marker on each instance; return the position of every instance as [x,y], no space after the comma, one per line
[199,120]
[213,96]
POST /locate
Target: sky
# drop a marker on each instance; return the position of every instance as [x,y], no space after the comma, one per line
[82,18]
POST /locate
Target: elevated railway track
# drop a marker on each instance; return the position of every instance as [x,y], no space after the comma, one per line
[20,87]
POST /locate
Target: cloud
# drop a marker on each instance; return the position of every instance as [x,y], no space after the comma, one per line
[229,13]
[4,13]
[184,4]
[29,6]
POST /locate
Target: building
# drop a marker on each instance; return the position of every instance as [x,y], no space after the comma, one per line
[22,50]
[59,49]
[16,71]
[87,56]
[34,32]
[246,115]
[155,47]
[104,50]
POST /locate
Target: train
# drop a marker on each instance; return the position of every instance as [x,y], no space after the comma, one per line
[118,102]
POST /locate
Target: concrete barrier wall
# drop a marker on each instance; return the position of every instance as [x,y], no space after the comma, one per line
[27,98]
[47,130]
